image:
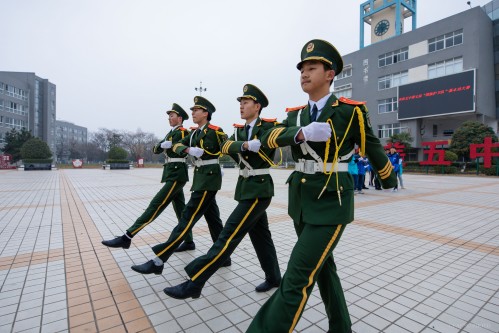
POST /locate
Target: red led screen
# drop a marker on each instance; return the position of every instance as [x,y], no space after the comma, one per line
[440,96]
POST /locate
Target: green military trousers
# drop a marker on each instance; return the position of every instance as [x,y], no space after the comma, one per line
[172,191]
[249,216]
[201,203]
[311,261]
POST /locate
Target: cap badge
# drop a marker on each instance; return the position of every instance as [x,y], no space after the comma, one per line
[195,99]
[310,47]
[245,89]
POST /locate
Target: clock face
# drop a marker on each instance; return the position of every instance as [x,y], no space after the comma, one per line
[382,27]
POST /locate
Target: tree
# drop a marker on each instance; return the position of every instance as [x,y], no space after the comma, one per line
[106,139]
[92,152]
[470,132]
[14,140]
[404,138]
[139,144]
[35,148]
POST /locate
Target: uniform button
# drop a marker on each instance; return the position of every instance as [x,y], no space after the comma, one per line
[263,180]
[176,167]
[341,188]
[303,180]
[197,169]
[246,157]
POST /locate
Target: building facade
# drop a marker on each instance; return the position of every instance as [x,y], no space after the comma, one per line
[383,72]
[28,101]
[68,137]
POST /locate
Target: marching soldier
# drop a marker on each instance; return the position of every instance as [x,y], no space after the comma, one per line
[254,191]
[322,136]
[204,145]
[174,178]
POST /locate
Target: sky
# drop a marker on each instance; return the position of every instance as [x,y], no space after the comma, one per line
[120,64]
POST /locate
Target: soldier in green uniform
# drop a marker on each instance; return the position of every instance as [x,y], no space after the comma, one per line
[204,144]
[174,178]
[254,191]
[322,136]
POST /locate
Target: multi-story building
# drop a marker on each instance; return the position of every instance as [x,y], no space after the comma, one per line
[28,101]
[427,81]
[67,137]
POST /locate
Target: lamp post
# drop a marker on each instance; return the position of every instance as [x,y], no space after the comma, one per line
[200,88]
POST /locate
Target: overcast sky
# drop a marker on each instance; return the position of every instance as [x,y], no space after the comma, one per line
[120,64]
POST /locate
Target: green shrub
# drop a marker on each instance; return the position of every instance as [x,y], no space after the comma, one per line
[35,149]
[117,161]
[490,171]
[117,153]
[450,156]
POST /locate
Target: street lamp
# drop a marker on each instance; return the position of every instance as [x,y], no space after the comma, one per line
[200,89]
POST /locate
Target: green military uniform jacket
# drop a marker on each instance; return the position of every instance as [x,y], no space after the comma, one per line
[260,186]
[350,122]
[174,171]
[206,177]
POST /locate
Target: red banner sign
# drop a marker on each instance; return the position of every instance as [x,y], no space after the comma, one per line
[77,164]
[485,151]
[433,152]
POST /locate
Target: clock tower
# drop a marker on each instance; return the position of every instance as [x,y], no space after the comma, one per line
[386,18]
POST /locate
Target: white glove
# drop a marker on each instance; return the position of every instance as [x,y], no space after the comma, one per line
[317,132]
[254,145]
[166,145]
[195,151]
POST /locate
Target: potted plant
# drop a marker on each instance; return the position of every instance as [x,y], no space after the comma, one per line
[36,155]
[117,158]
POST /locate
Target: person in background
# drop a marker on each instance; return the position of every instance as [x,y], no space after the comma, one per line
[399,174]
[394,158]
[361,165]
[353,169]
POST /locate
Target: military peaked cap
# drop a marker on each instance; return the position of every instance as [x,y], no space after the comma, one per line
[320,50]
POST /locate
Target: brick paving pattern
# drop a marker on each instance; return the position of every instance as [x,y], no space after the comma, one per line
[423,259]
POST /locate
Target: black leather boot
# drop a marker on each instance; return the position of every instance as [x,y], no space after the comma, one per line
[185,247]
[122,241]
[184,290]
[148,268]
[227,263]
[267,285]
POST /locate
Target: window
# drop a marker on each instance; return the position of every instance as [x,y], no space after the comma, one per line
[16,108]
[387,105]
[343,91]
[448,132]
[393,57]
[392,80]
[435,130]
[1,87]
[1,105]
[445,41]
[346,72]
[446,67]
[387,130]
[16,92]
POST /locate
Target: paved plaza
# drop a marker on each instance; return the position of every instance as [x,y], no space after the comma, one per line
[423,259]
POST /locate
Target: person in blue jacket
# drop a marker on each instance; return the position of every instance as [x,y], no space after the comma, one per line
[361,165]
[353,169]
[394,158]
